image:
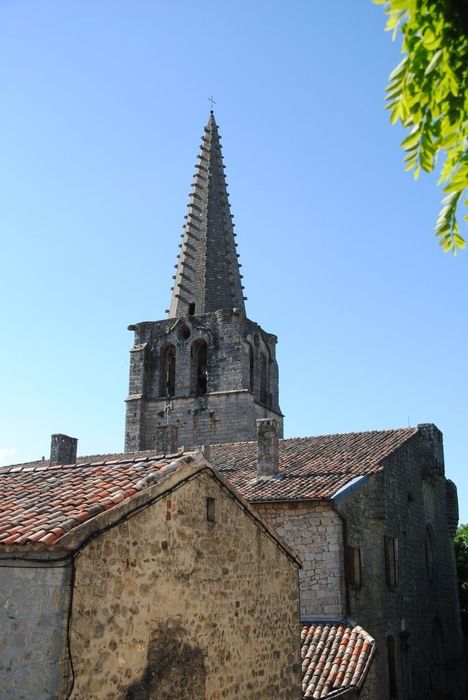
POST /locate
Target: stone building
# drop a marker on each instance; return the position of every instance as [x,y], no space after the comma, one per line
[370,514]
[136,579]
[206,373]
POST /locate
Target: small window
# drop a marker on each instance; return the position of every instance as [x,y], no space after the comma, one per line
[211,510]
[391,561]
[438,678]
[354,566]
[251,368]
[191,309]
[263,379]
[429,552]
[184,332]
[392,676]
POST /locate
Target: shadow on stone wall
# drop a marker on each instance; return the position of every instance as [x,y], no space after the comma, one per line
[175,668]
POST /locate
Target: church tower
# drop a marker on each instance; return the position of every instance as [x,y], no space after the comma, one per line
[206,373]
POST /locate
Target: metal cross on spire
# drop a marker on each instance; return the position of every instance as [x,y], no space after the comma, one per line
[211,101]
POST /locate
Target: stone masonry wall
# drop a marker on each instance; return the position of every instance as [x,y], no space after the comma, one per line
[206,420]
[169,604]
[401,502]
[315,532]
[34,602]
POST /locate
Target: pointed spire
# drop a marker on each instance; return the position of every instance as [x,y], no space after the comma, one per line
[208,276]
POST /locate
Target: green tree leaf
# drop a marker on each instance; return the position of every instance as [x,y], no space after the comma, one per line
[461,558]
[428,94]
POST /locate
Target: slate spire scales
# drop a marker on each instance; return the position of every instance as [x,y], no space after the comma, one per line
[208,276]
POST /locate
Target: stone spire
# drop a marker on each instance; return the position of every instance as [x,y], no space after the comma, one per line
[208,276]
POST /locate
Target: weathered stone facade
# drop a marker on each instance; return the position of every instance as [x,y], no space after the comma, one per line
[178,606]
[407,503]
[315,532]
[418,611]
[34,599]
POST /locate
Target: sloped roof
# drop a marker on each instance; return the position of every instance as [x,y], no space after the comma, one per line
[44,506]
[41,503]
[311,468]
[335,659]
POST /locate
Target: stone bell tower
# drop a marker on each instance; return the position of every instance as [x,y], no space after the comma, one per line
[206,373]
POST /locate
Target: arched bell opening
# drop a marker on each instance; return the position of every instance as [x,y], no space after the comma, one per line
[167,373]
[199,368]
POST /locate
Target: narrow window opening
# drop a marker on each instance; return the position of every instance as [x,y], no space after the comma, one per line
[407,677]
[438,677]
[251,368]
[263,379]
[392,676]
[191,309]
[211,510]
[354,565]
[199,368]
[429,551]
[167,371]
[391,561]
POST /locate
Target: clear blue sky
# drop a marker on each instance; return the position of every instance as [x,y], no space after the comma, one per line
[103,106]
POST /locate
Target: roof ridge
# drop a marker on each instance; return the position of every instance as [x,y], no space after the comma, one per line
[22,468]
[80,459]
[354,432]
[323,435]
[101,457]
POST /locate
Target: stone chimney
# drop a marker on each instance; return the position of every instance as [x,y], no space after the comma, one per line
[62,449]
[167,439]
[267,448]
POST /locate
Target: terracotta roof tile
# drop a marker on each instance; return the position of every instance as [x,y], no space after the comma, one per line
[41,505]
[36,497]
[335,659]
[311,467]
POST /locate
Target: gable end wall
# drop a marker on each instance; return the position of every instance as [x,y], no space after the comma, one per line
[173,605]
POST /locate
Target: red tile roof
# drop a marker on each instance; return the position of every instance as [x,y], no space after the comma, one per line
[311,468]
[40,503]
[335,659]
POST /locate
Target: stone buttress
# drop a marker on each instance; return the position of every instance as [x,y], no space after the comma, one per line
[206,373]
